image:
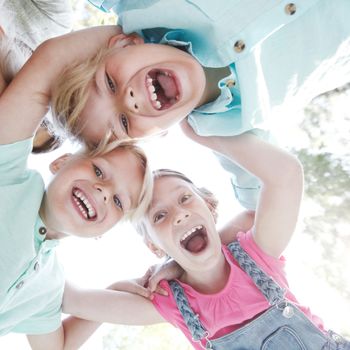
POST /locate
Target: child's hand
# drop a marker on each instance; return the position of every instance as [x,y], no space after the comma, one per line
[134,286]
[156,273]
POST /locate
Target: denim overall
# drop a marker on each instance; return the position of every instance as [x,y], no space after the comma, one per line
[281,327]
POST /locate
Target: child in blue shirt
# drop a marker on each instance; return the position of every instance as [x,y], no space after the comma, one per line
[88,195]
[254,58]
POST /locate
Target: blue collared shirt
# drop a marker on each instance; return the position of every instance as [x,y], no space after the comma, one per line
[281,53]
[289,53]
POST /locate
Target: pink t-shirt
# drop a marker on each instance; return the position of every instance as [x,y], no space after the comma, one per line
[238,302]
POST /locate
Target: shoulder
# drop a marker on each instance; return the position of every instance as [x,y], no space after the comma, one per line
[268,263]
[166,305]
[13,165]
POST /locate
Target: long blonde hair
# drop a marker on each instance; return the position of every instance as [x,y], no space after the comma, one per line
[71,91]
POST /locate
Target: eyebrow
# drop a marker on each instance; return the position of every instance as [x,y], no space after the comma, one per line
[153,205]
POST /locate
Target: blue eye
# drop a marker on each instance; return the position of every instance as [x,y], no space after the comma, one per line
[118,202]
[159,216]
[110,83]
[97,171]
[185,198]
[125,123]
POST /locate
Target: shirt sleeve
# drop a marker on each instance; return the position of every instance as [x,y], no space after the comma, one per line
[13,161]
[274,267]
[46,321]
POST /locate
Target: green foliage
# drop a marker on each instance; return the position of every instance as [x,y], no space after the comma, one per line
[89,16]
[327,184]
[157,337]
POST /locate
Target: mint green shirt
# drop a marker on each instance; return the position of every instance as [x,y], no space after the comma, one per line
[31,280]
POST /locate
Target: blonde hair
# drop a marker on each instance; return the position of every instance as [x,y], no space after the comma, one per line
[208,197]
[145,195]
[71,92]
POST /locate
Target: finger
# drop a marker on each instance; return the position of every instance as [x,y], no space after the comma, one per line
[144,279]
[161,291]
[144,292]
[153,282]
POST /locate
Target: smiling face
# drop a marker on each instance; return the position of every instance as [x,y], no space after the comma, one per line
[180,223]
[88,196]
[140,90]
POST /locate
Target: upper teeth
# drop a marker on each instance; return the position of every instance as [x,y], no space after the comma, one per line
[151,90]
[189,232]
[81,196]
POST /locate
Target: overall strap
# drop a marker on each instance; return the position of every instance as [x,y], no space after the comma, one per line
[190,317]
[268,287]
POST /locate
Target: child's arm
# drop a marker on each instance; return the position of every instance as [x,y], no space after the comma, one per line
[240,223]
[98,306]
[281,175]
[25,101]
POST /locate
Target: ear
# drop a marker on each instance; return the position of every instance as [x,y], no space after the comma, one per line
[154,249]
[124,40]
[2,32]
[57,164]
[212,205]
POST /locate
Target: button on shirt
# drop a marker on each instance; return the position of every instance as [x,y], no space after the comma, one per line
[281,54]
[284,52]
[31,280]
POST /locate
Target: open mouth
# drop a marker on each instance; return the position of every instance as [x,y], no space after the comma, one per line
[84,207]
[162,89]
[195,240]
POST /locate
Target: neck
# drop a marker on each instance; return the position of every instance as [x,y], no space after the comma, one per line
[210,280]
[51,232]
[212,76]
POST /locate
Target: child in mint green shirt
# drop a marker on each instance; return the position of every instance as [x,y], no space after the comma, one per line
[88,195]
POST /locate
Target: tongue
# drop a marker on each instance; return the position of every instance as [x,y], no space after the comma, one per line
[196,244]
[168,85]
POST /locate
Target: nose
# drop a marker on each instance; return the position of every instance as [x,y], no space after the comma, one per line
[181,217]
[131,100]
[100,188]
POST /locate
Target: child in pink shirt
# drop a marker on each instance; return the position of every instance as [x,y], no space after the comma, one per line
[226,297]
[231,307]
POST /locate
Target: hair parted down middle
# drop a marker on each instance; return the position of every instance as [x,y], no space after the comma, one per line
[208,197]
[145,196]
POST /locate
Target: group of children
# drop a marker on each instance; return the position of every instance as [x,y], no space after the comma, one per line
[220,74]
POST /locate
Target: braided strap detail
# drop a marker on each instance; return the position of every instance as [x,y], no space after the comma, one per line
[271,290]
[191,319]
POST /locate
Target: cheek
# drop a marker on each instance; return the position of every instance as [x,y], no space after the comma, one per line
[153,126]
[114,216]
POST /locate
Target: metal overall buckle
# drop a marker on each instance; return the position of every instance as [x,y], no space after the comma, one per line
[287,309]
[208,345]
